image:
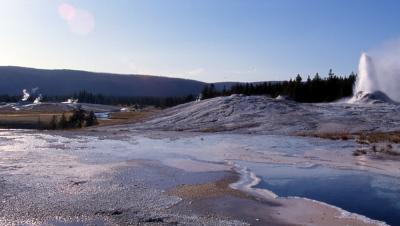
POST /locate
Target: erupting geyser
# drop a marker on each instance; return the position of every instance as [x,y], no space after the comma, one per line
[366,81]
[367,89]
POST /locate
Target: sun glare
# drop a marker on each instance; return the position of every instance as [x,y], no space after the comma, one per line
[79,21]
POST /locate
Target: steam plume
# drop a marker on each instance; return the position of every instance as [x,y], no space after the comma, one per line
[38,99]
[387,66]
[34,90]
[366,81]
[70,101]
[25,95]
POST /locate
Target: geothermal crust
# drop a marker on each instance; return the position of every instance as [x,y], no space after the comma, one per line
[265,115]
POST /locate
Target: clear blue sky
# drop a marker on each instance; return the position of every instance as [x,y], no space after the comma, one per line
[208,40]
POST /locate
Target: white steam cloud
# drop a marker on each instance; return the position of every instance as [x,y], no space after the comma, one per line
[70,101]
[386,61]
[38,99]
[34,90]
[25,95]
[367,80]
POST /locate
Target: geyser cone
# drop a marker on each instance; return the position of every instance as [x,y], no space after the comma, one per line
[366,80]
[367,88]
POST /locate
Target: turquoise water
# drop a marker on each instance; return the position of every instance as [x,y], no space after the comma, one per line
[371,195]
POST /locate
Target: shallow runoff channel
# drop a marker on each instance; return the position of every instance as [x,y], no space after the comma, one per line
[297,172]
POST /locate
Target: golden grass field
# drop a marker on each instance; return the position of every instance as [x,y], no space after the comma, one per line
[128,117]
[30,120]
[363,138]
[35,120]
[372,143]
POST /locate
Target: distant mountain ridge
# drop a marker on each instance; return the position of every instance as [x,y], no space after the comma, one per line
[61,82]
[66,82]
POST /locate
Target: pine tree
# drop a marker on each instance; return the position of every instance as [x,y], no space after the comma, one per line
[298,78]
[39,123]
[91,119]
[63,123]
[77,118]
[53,122]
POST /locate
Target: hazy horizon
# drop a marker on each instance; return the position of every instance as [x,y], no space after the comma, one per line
[201,40]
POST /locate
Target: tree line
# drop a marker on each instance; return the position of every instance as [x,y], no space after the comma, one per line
[87,97]
[312,90]
[78,119]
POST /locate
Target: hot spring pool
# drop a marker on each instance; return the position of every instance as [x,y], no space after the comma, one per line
[371,195]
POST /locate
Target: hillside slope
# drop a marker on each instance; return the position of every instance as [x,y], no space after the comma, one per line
[67,82]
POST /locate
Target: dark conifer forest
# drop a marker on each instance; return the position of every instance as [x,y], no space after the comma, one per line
[311,90]
[87,97]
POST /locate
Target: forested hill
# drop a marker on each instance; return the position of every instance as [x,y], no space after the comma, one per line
[66,82]
[317,89]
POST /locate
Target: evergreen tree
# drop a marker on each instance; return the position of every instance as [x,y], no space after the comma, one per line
[77,118]
[91,119]
[63,123]
[330,74]
[39,123]
[298,78]
[53,122]
[317,89]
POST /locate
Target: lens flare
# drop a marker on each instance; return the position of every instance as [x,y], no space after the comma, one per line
[79,21]
[66,11]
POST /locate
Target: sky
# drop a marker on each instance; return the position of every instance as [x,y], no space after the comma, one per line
[207,40]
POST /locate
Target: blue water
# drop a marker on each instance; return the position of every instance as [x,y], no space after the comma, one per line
[371,195]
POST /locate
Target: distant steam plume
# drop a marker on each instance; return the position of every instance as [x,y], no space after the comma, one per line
[70,101]
[25,95]
[38,99]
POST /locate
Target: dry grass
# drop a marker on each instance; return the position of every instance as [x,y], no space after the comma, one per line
[377,150]
[38,120]
[373,143]
[378,137]
[360,152]
[362,138]
[330,136]
[31,120]
[380,142]
[385,149]
[209,130]
[127,117]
